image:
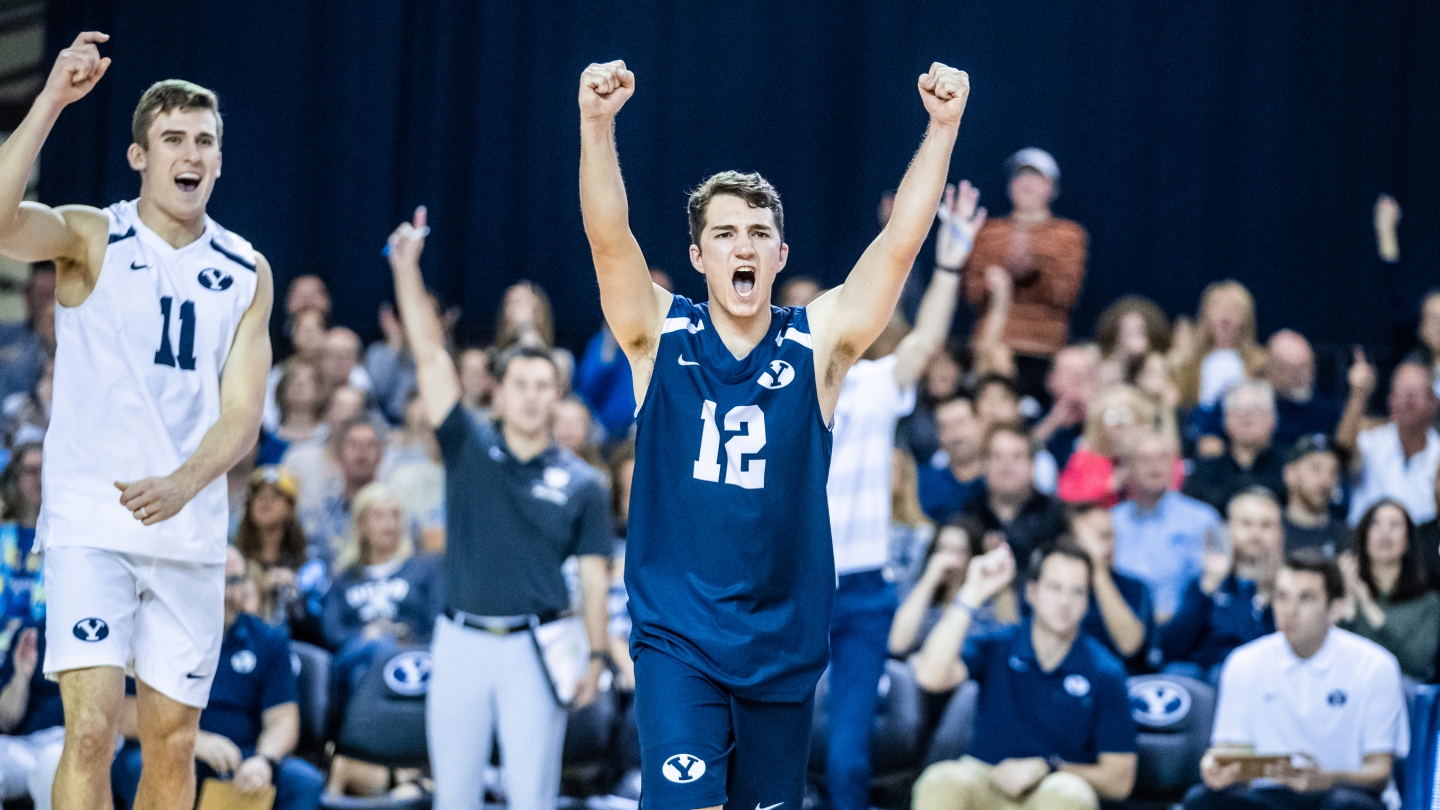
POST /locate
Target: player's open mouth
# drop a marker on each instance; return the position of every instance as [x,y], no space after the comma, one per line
[744,282]
[187,181]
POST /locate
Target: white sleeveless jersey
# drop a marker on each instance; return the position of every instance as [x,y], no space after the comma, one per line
[137,385]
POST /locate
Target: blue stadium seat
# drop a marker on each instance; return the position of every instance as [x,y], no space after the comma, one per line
[384,723]
[312,681]
[1173,716]
[1417,787]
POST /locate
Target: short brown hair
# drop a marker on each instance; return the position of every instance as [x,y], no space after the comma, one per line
[1314,561]
[755,190]
[1157,326]
[167,95]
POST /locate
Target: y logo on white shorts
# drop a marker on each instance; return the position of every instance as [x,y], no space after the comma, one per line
[91,630]
[683,768]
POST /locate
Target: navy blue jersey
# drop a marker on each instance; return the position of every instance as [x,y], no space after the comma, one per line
[728,557]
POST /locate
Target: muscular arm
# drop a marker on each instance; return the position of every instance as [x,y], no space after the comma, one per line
[634,306]
[30,231]
[850,317]
[242,401]
[435,373]
[932,324]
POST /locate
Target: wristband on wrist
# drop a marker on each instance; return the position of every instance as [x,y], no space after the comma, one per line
[604,657]
[942,268]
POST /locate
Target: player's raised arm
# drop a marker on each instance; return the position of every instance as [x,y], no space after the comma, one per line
[847,319]
[242,401]
[435,373]
[29,231]
[634,306]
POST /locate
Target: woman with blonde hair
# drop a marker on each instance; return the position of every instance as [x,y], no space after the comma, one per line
[386,597]
[1224,350]
[1113,422]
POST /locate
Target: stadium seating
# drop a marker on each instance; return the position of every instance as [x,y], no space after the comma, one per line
[951,738]
[589,762]
[1417,786]
[384,723]
[312,681]
[1173,716]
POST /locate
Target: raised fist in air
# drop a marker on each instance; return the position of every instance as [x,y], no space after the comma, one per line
[604,89]
[944,91]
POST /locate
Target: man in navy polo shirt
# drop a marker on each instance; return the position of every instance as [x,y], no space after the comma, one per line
[253,720]
[1053,727]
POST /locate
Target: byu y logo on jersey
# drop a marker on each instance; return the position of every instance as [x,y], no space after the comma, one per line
[683,768]
[91,630]
[779,375]
[213,278]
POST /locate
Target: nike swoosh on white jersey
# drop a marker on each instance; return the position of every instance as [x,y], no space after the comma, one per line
[684,362]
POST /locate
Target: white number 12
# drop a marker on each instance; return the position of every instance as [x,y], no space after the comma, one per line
[742,417]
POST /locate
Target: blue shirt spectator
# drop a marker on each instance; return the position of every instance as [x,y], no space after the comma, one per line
[602,379]
[1050,695]
[1207,627]
[22,588]
[25,347]
[1160,536]
[955,475]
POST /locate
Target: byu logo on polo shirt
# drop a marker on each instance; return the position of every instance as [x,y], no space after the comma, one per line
[213,278]
[779,375]
[1077,685]
[1336,698]
[683,768]
[1159,703]
[91,630]
[243,662]
[408,673]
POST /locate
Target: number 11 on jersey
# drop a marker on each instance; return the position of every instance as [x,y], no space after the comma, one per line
[747,418]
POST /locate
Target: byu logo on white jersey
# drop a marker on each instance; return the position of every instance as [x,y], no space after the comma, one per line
[683,768]
[780,375]
[408,673]
[91,630]
[243,662]
[213,278]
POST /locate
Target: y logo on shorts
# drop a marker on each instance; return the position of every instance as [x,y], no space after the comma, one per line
[683,768]
[91,630]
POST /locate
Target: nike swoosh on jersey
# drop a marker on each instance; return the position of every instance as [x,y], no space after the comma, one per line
[771,807]
[684,362]
[134,266]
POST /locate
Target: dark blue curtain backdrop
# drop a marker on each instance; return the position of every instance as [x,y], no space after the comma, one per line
[1197,140]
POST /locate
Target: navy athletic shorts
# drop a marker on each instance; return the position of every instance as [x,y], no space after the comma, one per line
[700,746]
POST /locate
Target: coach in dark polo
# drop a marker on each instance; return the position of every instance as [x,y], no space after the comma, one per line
[516,506]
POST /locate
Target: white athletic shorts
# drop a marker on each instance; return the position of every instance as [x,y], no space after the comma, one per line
[160,620]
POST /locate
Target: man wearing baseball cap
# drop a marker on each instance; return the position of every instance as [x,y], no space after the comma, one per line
[1044,256]
[1312,473]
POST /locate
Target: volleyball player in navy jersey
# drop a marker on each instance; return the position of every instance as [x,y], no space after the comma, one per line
[728,559]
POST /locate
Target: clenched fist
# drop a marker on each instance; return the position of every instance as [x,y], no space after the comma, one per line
[77,69]
[944,91]
[604,89]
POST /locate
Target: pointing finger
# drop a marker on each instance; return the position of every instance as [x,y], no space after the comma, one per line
[420,216]
[86,37]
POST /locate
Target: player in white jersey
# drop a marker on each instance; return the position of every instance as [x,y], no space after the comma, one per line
[162,353]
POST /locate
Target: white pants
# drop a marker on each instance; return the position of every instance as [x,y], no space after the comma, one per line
[27,765]
[480,682]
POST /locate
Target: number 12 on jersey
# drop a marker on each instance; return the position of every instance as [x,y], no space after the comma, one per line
[748,418]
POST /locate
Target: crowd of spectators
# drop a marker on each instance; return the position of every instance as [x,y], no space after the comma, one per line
[1169,497]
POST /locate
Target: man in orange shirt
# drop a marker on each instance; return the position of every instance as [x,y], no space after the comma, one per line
[1044,254]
